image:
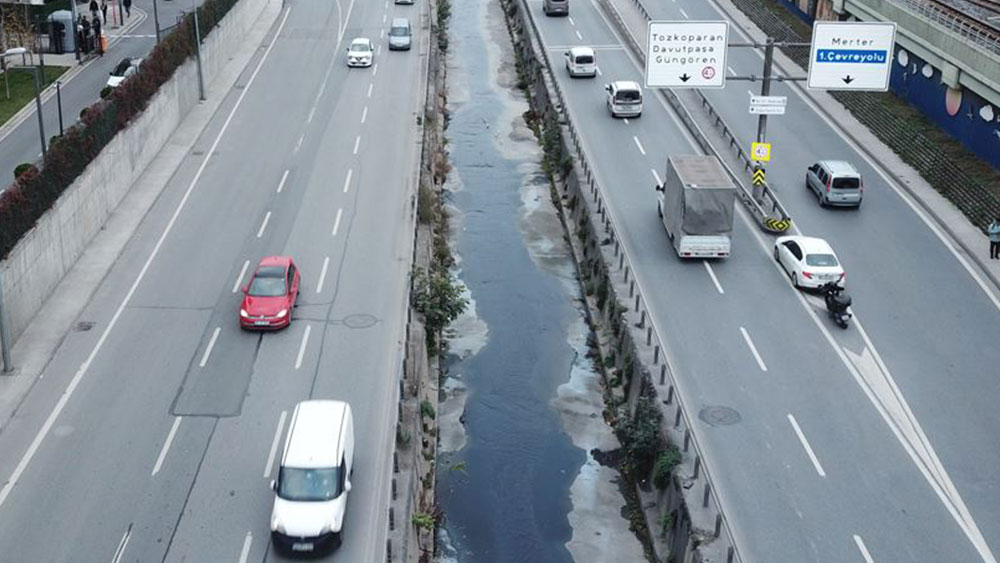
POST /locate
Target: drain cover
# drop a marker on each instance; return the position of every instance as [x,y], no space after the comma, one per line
[360,321]
[719,416]
[83,326]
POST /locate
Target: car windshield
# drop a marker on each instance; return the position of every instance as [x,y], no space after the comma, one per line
[584,60]
[628,97]
[398,31]
[269,282]
[313,485]
[846,183]
[121,68]
[821,260]
[360,47]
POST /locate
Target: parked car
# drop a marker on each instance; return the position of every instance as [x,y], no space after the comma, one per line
[400,34]
[269,297]
[581,61]
[125,68]
[624,98]
[836,183]
[361,52]
[810,262]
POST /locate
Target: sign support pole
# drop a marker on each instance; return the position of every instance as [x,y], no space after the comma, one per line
[765,90]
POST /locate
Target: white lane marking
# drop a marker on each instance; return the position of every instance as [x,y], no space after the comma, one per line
[711,273]
[570,18]
[357,142]
[370,86]
[659,182]
[381,33]
[312,112]
[336,222]
[599,73]
[625,119]
[298,144]
[239,279]
[730,69]
[578,36]
[375,70]
[281,184]
[322,275]
[64,398]
[122,544]
[322,88]
[378,51]
[864,550]
[683,13]
[166,445]
[263,226]
[245,552]
[756,354]
[364,114]
[805,444]
[638,144]
[274,444]
[384,16]
[347,180]
[302,347]
[208,349]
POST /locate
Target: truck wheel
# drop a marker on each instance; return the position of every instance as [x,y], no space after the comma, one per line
[659,211]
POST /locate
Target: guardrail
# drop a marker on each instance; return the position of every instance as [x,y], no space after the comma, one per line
[682,422]
[966,25]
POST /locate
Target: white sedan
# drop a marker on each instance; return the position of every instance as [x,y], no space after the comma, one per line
[808,261]
[360,53]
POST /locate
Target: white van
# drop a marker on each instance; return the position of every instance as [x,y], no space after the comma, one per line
[624,98]
[314,478]
[581,61]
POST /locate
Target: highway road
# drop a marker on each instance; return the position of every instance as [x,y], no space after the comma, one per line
[871,444]
[22,144]
[154,435]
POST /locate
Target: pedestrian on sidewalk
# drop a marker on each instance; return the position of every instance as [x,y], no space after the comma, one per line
[98,43]
[128,8]
[994,233]
[104,11]
[94,9]
[86,34]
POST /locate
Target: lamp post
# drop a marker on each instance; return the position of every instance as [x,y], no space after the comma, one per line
[38,93]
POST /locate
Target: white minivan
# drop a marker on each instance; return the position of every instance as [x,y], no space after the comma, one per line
[310,494]
[624,98]
[581,61]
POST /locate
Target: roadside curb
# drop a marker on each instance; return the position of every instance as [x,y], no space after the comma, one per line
[28,110]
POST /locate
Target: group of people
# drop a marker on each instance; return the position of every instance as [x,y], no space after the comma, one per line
[88,30]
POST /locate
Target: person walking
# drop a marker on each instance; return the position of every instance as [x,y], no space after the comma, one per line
[98,43]
[994,233]
[94,13]
[104,11]
[128,8]
[86,34]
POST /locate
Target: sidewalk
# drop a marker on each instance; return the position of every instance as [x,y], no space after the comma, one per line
[953,227]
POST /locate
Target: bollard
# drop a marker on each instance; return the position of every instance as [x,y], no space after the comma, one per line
[621,261]
[670,391]
[631,290]
[394,493]
[649,335]
[637,307]
[687,439]
[656,361]
[388,550]
[718,524]
[395,462]
[704,500]
[392,518]
[697,467]
[677,419]
[730,553]
[642,323]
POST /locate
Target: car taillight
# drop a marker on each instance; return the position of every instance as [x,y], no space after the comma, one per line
[862,185]
[685,254]
[843,276]
[808,275]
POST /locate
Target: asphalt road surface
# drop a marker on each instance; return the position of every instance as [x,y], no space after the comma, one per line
[167,444]
[871,444]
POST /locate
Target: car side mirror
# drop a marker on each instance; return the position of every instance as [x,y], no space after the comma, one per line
[274,485]
[347,486]
[607,88]
[659,187]
[566,54]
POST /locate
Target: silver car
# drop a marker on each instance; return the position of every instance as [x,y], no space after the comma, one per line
[400,34]
[836,183]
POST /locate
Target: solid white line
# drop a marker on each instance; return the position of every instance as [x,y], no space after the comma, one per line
[370,86]
[336,222]
[683,13]
[260,232]
[302,347]
[578,36]
[208,349]
[274,444]
[357,141]
[281,184]
[312,111]
[711,274]
[322,88]
[571,22]
[239,278]
[166,445]
[347,180]
[122,545]
[746,337]
[864,550]
[375,70]
[64,398]
[638,144]
[245,552]
[322,275]
[659,182]
[805,444]
[364,114]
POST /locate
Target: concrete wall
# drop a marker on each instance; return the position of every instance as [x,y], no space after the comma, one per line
[40,260]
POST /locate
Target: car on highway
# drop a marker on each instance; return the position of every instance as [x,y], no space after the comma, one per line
[400,35]
[314,478]
[360,53]
[808,261]
[555,7]
[408,2]
[269,297]
[624,98]
[581,61]
[125,68]
[835,182]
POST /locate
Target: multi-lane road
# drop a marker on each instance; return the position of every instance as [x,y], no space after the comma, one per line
[153,435]
[875,443]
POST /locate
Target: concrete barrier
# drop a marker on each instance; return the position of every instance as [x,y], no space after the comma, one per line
[38,263]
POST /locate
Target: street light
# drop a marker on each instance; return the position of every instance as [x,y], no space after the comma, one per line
[38,98]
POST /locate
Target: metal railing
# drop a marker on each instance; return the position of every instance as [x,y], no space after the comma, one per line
[954,20]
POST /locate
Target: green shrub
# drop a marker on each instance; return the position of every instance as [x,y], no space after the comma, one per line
[664,466]
[106,91]
[423,520]
[427,410]
[22,168]
[640,434]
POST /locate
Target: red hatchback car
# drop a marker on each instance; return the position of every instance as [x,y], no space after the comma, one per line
[270,296]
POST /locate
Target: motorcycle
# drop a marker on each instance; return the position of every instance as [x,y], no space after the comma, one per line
[837,303]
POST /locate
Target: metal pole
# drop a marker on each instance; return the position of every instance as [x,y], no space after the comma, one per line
[197,50]
[8,367]
[76,36]
[156,21]
[121,14]
[38,106]
[59,104]
[765,90]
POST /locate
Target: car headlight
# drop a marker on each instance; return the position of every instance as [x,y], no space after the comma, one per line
[244,314]
[281,314]
[277,525]
[334,525]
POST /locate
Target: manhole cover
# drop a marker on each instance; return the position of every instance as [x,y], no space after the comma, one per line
[360,321]
[197,153]
[83,326]
[719,416]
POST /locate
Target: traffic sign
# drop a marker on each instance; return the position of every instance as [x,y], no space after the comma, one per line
[686,54]
[851,55]
[768,105]
[760,152]
[758,177]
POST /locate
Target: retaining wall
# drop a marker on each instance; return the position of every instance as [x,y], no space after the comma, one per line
[38,263]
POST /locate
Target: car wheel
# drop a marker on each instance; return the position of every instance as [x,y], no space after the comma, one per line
[776,259]
[659,210]
[822,201]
